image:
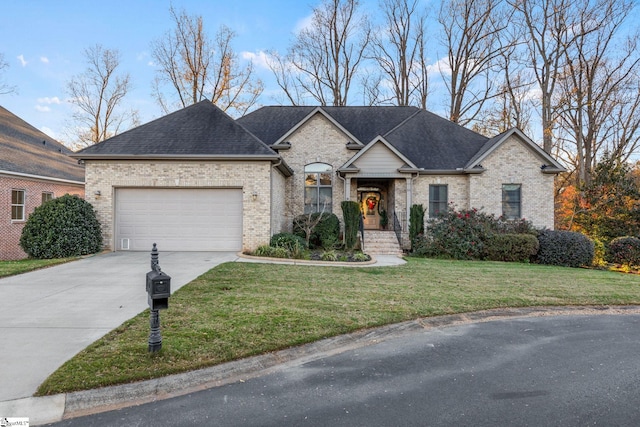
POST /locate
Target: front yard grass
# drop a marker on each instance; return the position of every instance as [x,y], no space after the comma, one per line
[11,268]
[238,310]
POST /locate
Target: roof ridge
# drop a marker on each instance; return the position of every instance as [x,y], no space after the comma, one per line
[404,121]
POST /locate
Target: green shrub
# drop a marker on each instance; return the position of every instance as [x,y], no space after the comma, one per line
[624,251]
[329,256]
[264,250]
[457,235]
[351,215]
[62,227]
[511,247]
[416,221]
[565,248]
[361,257]
[326,232]
[289,241]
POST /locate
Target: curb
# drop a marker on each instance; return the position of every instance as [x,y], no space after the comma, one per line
[49,409]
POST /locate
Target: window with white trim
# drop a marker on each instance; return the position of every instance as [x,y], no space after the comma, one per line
[17,205]
[512,201]
[318,188]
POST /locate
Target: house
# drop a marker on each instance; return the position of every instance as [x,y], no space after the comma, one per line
[34,168]
[199,180]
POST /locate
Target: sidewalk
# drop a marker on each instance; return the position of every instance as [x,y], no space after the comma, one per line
[50,315]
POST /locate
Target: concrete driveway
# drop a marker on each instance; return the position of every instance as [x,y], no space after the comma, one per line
[50,315]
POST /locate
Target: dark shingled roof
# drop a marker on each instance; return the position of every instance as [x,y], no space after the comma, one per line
[26,150]
[432,142]
[364,123]
[200,129]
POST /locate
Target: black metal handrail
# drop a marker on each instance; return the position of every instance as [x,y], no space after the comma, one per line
[397,228]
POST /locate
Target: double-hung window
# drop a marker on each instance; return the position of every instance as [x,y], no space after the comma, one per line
[437,200]
[46,196]
[318,188]
[512,201]
[17,205]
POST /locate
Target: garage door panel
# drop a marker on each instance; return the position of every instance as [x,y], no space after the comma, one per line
[179,219]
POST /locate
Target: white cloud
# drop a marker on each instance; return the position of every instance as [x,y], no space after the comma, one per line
[43,108]
[23,62]
[47,100]
[259,59]
[44,59]
[441,66]
[304,23]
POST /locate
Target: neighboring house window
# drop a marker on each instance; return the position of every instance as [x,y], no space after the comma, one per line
[437,200]
[17,205]
[318,188]
[511,201]
[46,197]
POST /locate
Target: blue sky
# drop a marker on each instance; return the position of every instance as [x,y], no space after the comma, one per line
[43,42]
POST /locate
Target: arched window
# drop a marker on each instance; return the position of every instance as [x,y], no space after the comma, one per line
[318,188]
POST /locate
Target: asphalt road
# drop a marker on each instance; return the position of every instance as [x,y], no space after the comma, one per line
[539,371]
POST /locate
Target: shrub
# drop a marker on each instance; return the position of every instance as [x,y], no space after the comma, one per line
[416,221]
[289,241]
[62,227]
[329,256]
[565,248]
[511,247]
[324,229]
[351,215]
[457,235]
[360,257]
[625,251]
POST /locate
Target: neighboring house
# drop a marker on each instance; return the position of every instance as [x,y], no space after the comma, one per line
[34,168]
[198,180]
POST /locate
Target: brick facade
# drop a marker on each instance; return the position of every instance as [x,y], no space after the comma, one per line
[104,176]
[10,231]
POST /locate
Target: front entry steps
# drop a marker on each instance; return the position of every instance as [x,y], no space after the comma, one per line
[381,242]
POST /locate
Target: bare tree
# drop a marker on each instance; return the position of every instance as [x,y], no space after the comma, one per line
[97,94]
[471,30]
[324,58]
[5,88]
[598,89]
[195,68]
[398,48]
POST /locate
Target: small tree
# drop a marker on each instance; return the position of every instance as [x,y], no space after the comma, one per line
[351,215]
[63,227]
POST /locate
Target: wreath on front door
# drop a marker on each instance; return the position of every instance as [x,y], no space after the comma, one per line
[371,202]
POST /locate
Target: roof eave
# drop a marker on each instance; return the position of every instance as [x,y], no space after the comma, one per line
[258,157]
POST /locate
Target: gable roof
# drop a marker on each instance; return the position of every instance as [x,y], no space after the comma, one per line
[274,123]
[551,165]
[26,151]
[201,130]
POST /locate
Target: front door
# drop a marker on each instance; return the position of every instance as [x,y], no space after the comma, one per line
[369,204]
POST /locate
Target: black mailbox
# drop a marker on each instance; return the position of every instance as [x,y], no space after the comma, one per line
[158,290]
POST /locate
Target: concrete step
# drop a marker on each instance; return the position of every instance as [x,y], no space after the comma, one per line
[380,242]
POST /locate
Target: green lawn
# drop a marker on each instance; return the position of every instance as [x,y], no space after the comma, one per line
[11,268]
[242,309]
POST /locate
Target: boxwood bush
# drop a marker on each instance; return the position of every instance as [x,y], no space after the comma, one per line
[565,248]
[62,227]
[624,250]
[326,234]
[511,247]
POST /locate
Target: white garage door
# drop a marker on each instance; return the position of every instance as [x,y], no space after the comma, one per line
[178,219]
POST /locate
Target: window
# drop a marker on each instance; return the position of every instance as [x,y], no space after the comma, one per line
[17,205]
[437,200]
[511,201]
[46,197]
[318,188]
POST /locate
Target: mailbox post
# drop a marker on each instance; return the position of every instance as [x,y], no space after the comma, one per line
[158,293]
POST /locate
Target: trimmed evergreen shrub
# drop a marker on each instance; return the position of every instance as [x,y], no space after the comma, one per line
[416,222]
[565,248]
[325,234]
[351,215]
[62,227]
[511,247]
[289,241]
[624,251]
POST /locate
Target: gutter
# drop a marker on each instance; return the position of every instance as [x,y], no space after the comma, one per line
[40,177]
